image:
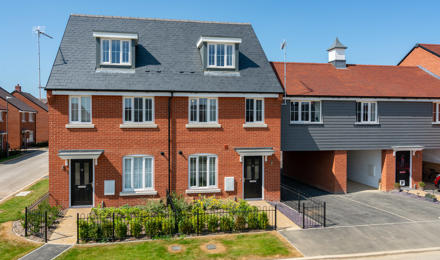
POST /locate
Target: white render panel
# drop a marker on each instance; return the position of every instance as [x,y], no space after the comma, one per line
[365,167]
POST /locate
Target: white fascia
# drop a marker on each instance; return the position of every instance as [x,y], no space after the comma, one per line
[116,35]
[369,99]
[203,39]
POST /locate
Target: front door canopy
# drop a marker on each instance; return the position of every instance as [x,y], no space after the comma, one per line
[254,151]
[80,154]
[411,148]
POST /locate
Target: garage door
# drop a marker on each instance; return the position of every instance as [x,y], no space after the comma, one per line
[364,167]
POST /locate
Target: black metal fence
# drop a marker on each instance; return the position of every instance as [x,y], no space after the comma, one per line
[312,211]
[111,227]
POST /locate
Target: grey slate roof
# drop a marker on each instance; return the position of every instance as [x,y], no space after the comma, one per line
[167,49]
[20,105]
[33,99]
[337,44]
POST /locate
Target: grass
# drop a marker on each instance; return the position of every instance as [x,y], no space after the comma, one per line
[13,208]
[10,157]
[262,245]
[10,249]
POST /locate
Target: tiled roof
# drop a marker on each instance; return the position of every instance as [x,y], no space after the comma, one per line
[15,101]
[435,48]
[167,58]
[33,99]
[322,79]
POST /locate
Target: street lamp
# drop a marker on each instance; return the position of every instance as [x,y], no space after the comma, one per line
[7,129]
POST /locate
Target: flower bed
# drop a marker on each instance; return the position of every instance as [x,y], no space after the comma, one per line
[155,219]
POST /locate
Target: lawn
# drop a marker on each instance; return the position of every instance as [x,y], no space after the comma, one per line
[262,245]
[10,248]
[12,209]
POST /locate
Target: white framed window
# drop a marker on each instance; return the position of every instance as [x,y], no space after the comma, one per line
[366,112]
[138,110]
[436,113]
[138,173]
[30,139]
[80,109]
[23,117]
[203,110]
[202,171]
[115,52]
[305,112]
[31,117]
[254,110]
[221,55]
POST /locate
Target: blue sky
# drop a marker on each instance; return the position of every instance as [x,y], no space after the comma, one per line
[376,32]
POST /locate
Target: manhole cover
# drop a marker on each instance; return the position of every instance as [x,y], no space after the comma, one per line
[22,193]
[211,247]
[176,248]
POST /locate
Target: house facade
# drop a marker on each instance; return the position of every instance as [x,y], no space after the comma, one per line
[362,123]
[21,126]
[3,113]
[41,134]
[427,56]
[142,107]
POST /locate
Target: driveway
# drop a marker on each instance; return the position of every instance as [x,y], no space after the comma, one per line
[18,173]
[370,221]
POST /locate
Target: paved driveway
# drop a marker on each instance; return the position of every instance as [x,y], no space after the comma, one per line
[370,221]
[20,172]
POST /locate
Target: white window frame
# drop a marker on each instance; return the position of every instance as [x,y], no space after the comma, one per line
[300,121]
[132,111]
[143,173]
[215,55]
[23,117]
[436,116]
[31,134]
[31,117]
[79,111]
[254,100]
[197,187]
[208,111]
[369,121]
[109,62]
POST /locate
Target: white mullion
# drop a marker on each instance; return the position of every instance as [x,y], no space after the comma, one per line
[110,44]
[121,48]
[310,111]
[132,110]
[79,109]
[369,112]
[255,109]
[132,173]
[362,112]
[437,112]
[143,173]
[197,171]
[144,108]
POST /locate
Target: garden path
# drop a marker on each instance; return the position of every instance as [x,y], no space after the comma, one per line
[65,233]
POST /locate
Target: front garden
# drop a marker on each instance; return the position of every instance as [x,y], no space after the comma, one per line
[177,217]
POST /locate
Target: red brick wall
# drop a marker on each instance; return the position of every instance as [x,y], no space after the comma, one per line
[117,142]
[14,126]
[389,169]
[326,170]
[3,129]
[417,168]
[423,58]
[41,119]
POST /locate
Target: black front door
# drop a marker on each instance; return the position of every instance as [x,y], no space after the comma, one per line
[253,178]
[403,159]
[81,182]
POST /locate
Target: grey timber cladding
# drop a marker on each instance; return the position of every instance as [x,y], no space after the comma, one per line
[400,123]
[167,58]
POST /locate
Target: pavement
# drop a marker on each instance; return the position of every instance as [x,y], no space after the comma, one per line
[17,173]
[368,221]
[46,252]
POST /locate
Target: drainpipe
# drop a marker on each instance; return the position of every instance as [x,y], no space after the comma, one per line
[169,142]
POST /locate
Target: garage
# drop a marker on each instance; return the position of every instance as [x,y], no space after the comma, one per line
[364,167]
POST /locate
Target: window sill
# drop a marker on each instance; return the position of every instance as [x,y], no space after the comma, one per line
[138,193]
[434,123]
[80,126]
[205,190]
[141,125]
[306,123]
[207,125]
[373,123]
[254,125]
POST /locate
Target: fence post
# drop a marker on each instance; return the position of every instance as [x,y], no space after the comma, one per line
[299,202]
[325,206]
[276,216]
[197,214]
[304,216]
[77,228]
[45,227]
[113,226]
[25,221]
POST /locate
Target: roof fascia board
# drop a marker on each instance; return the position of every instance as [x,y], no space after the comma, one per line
[365,99]
[29,100]
[421,46]
[162,94]
[217,40]
[116,35]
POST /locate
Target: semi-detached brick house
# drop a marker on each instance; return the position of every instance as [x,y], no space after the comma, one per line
[427,56]
[363,123]
[41,117]
[3,112]
[20,132]
[141,106]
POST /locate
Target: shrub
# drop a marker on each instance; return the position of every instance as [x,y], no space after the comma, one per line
[397,185]
[153,226]
[95,231]
[422,184]
[168,226]
[213,223]
[83,230]
[185,226]
[120,229]
[136,227]
[107,229]
[263,220]
[198,222]
[226,223]
[240,222]
[253,220]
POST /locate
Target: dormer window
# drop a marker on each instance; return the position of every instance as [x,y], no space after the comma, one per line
[115,52]
[221,55]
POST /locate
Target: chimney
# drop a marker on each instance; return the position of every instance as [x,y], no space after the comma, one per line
[18,88]
[336,54]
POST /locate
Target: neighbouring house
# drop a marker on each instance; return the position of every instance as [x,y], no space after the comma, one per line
[41,134]
[363,123]
[21,125]
[3,113]
[139,107]
[427,56]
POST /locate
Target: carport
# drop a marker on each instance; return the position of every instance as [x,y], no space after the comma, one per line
[364,167]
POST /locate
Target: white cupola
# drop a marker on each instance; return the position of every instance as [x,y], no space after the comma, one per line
[336,54]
